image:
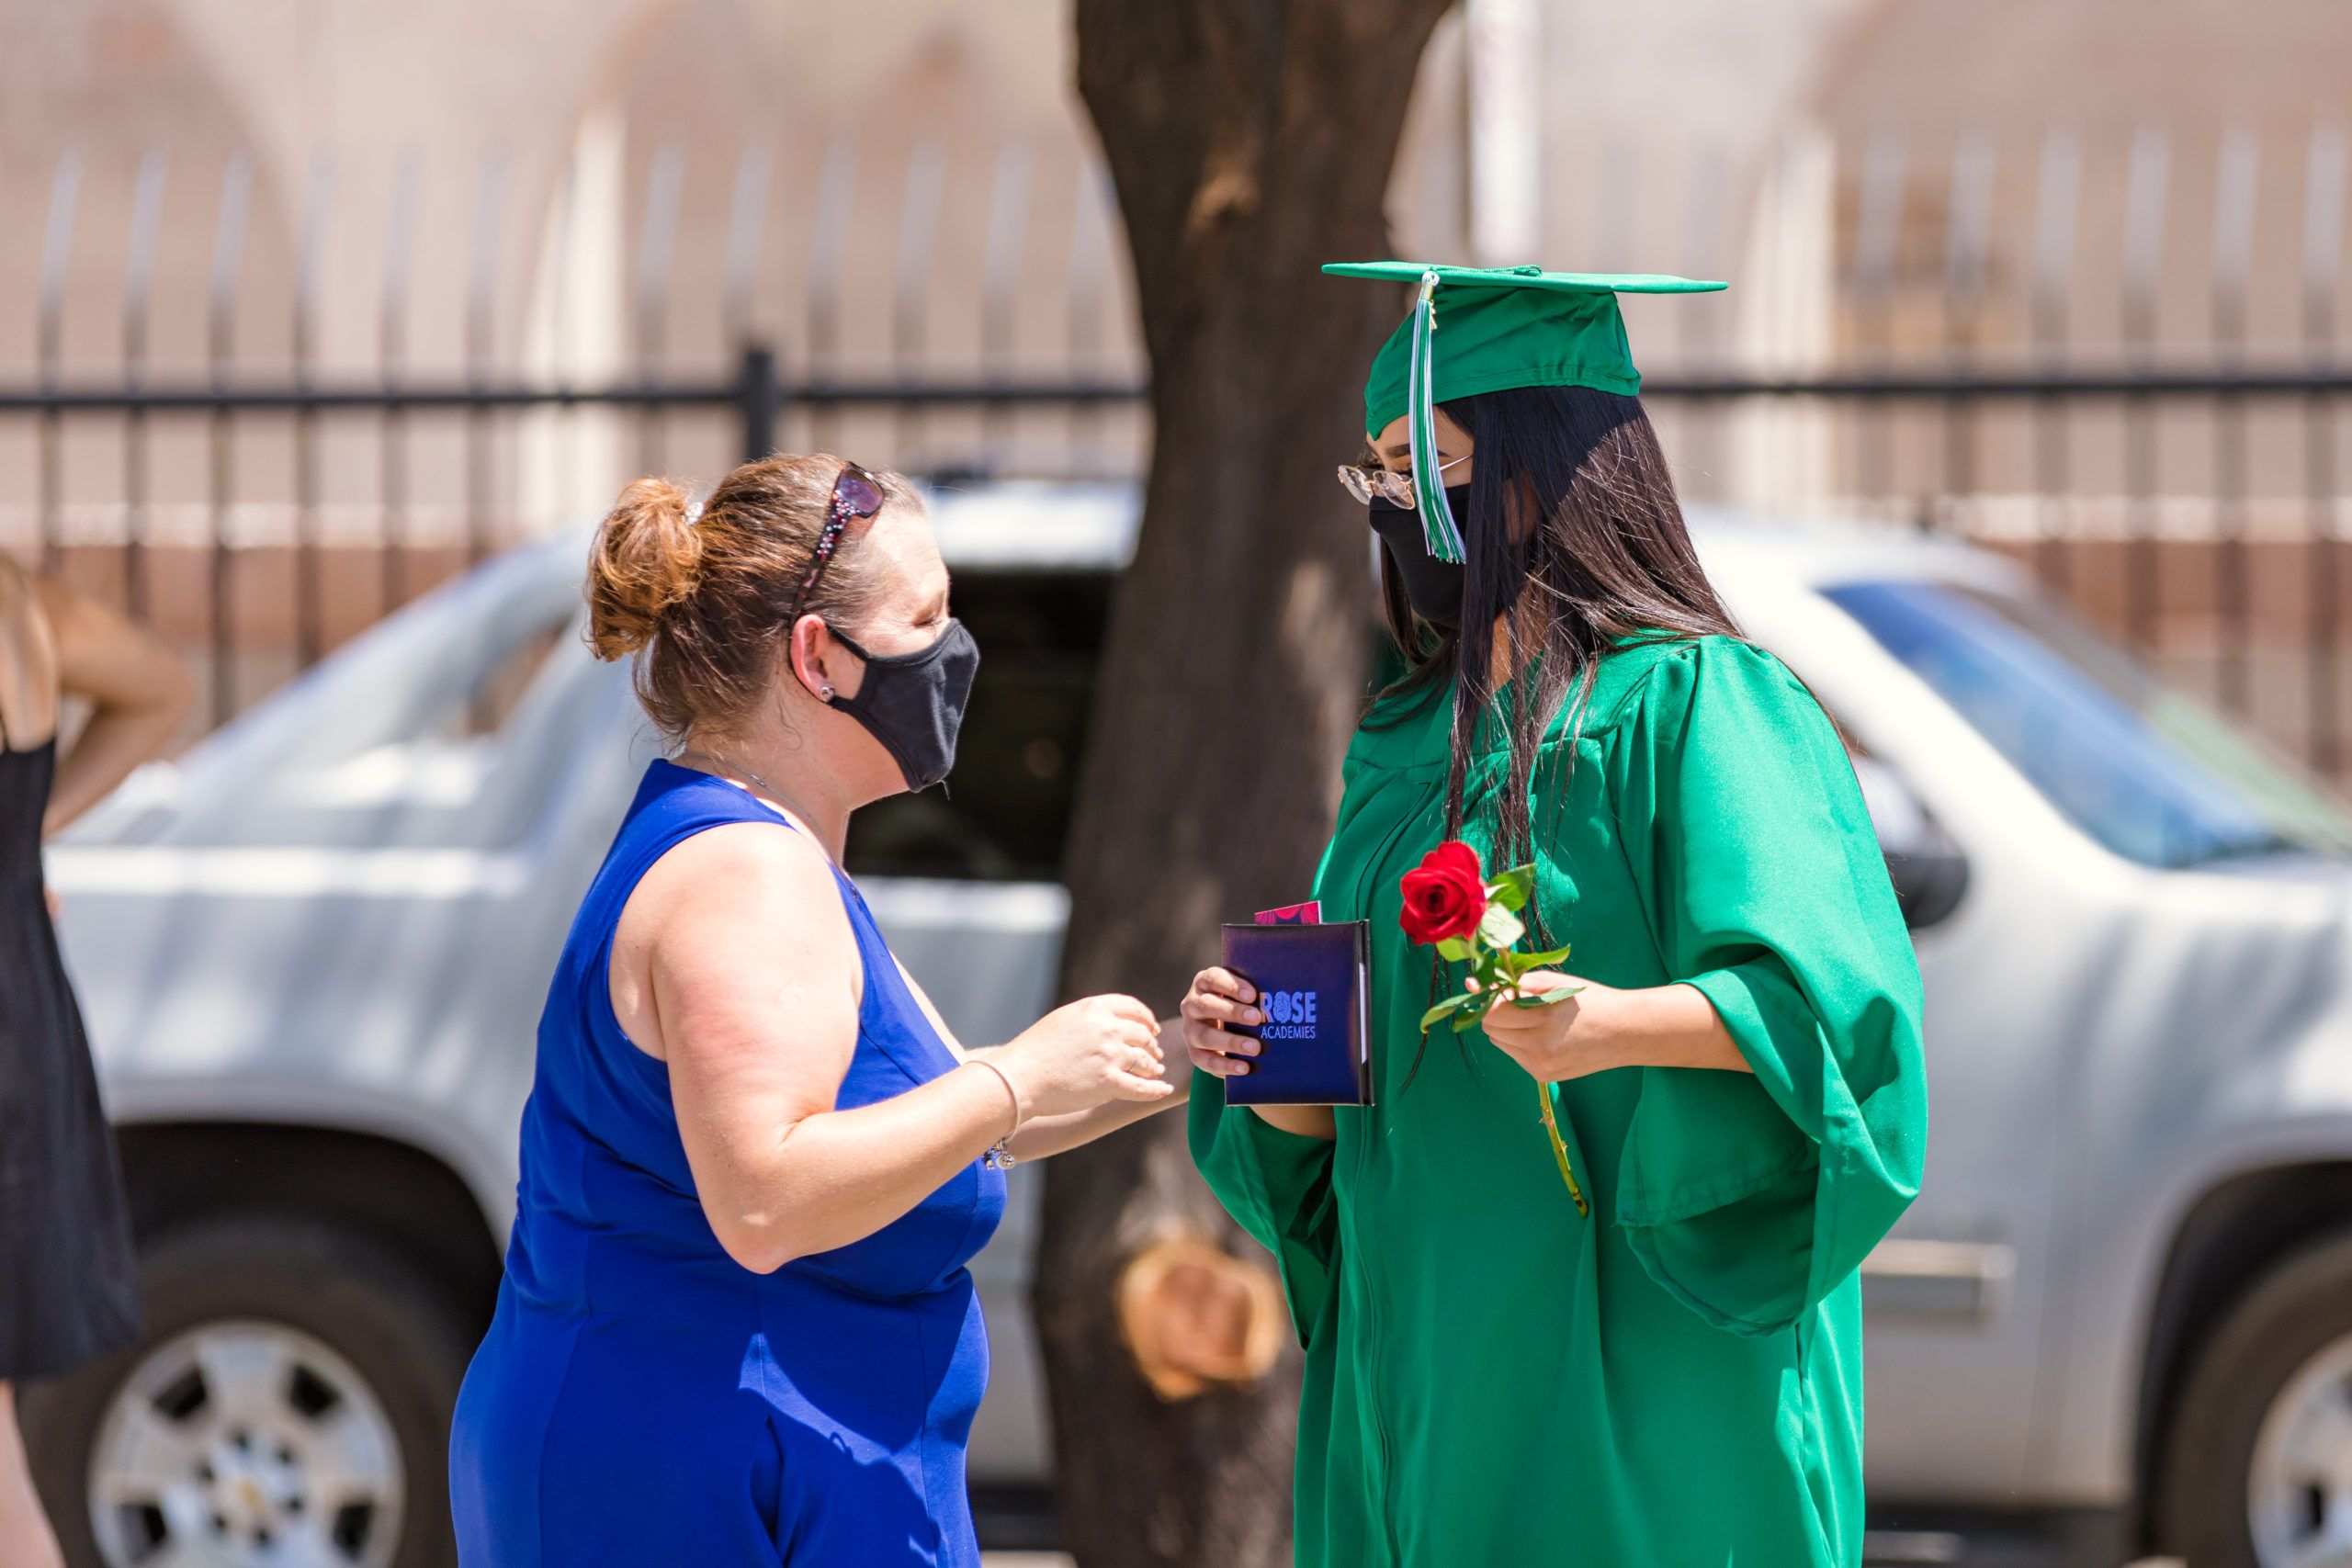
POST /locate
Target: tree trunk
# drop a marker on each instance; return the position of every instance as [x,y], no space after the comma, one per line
[1250,141]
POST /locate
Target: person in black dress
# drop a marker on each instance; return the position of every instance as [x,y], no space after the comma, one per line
[67,1292]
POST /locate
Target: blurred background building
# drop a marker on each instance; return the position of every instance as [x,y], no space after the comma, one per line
[305,304]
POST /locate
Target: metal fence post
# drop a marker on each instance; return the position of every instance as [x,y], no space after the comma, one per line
[759,399]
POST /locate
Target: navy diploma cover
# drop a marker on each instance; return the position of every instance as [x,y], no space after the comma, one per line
[1316,1039]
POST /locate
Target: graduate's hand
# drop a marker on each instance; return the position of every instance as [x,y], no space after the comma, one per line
[1219,995]
[1554,1044]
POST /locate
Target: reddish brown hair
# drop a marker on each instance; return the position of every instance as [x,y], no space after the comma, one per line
[701,600]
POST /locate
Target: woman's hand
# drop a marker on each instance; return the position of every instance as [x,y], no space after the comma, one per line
[1218,997]
[1602,1027]
[1564,1041]
[1082,1053]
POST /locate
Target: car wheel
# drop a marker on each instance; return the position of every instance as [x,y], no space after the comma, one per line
[2258,1470]
[288,1402]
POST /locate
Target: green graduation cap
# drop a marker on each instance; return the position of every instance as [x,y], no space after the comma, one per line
[1509,326]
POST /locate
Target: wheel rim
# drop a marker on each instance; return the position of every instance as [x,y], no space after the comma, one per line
[2299,1492]
[245,1442]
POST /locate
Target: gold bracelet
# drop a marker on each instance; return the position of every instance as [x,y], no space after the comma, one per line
[1000,1155]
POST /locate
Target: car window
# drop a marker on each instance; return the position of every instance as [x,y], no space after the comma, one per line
[401,739]
[1006,811]
[2152,774]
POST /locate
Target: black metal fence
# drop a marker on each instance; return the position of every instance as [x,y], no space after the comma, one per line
[2127,571]
[752,402]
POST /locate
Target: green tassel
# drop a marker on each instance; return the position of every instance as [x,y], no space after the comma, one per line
[1438,530]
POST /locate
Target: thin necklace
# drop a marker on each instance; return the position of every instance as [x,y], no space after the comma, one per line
[798,819]
[732,765]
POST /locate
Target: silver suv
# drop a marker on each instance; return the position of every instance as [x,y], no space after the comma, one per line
[313,954]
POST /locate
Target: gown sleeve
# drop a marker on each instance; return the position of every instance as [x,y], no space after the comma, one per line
[1751,1198]
[1277,1185]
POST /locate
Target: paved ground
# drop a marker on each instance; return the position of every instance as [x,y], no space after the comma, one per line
[1057,1560]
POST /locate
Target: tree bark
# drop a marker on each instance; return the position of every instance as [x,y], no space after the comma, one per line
[1250,140]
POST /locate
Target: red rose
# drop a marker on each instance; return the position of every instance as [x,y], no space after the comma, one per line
[1445,895]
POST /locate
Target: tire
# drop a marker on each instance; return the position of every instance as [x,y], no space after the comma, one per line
[366,1354]
[2286,1341]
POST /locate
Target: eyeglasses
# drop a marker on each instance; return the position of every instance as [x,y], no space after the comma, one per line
[856,493]
[1364,482]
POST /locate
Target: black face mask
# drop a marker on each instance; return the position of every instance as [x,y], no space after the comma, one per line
[914,703]
[1433,587]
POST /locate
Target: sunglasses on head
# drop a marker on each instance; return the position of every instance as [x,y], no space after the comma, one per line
[856,493]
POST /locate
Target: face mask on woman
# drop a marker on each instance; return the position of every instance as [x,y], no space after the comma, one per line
[914,703]
[1433,587]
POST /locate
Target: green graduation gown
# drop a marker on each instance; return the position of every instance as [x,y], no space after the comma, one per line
[1492,1378]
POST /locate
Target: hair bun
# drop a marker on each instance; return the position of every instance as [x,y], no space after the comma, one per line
[646,557]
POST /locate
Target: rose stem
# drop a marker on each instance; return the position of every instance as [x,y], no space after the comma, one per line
[1560,1150]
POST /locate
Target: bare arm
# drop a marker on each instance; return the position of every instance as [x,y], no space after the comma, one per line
[753,975]
[1668,1026]
[140,693]
[1305,1121]
[734,962]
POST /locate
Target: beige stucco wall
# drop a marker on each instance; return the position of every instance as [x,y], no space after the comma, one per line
[1694,135]
[529,133]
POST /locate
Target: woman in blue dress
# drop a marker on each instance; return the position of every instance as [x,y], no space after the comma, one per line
[736,1325]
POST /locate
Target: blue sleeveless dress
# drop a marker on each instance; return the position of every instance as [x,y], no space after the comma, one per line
[641,1398]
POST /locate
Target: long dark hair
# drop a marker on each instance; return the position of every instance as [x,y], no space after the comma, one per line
[1573,539]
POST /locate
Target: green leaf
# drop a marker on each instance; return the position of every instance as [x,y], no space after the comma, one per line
[1468,1019]
[1444,1007]
[1545,998]
[1501,928]
[1514,887]
[1527,961]
[1453,949]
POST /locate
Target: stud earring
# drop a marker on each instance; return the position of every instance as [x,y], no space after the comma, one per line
[826,693]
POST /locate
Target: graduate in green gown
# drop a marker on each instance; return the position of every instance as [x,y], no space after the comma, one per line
[1496,1376]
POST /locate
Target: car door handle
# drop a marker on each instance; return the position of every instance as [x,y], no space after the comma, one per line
[1951,1281]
